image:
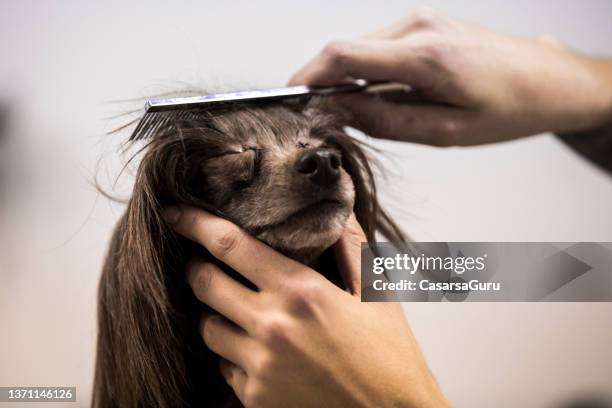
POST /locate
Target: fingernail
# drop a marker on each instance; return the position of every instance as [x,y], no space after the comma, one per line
[171,214]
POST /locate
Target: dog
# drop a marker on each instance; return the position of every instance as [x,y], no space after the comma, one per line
[288,174]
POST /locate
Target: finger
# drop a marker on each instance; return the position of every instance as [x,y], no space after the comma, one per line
[395,30]
[253,259]
[222,293]
[428,124]
[226,339]
[422,18]
[348,255]
[368,59]
[234,376]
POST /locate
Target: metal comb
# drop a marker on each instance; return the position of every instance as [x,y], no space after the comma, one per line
[160,112]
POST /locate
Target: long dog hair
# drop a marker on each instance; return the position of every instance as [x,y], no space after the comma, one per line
[231,163]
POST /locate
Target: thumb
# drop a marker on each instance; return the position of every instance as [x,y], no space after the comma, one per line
[348,255]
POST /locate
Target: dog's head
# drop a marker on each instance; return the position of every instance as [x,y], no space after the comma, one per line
[289,176]
[278,174]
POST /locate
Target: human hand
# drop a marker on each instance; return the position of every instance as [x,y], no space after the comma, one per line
[485,87]
[299,340]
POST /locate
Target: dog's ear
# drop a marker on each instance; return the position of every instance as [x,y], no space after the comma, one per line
[136,340]
[146,311]
[140,355]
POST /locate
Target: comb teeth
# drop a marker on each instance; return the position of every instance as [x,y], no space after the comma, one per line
[152,122]
[146,126]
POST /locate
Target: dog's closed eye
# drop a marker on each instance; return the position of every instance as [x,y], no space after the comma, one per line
[239,167]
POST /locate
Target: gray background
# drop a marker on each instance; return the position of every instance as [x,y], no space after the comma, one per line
[61,62]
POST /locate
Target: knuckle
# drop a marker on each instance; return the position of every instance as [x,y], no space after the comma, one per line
[336,51]
[226,241]
[253,395]
[449,133]
[304,297]
[196,219]
[423,17]
[261,365]
[210,330]
[451,127]
[275,330]
[433,53]
[251,321]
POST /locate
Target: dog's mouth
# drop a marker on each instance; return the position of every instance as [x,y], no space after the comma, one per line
[319,208]
[313,216]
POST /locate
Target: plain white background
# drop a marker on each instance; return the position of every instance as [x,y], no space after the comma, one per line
[63,61]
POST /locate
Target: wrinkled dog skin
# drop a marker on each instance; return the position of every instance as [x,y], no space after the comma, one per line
[288,175]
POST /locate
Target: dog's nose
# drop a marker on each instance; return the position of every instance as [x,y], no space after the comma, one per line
[321,166]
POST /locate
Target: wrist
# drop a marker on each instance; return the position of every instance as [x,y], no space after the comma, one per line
[602,68]
[562,91]
[593,105]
